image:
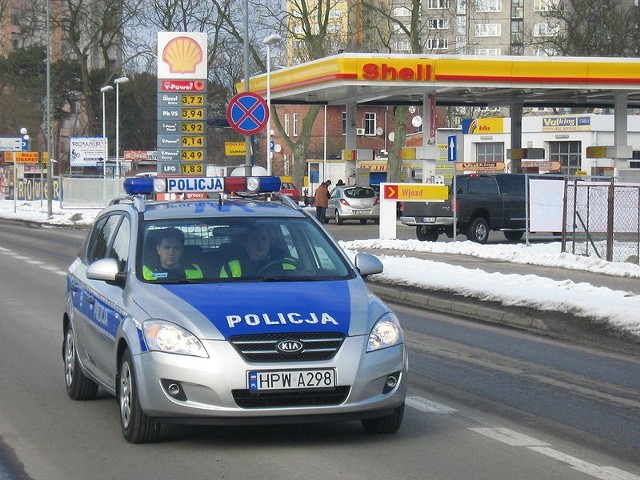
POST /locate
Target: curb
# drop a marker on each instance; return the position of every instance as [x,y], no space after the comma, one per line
[558,325]
[463,306]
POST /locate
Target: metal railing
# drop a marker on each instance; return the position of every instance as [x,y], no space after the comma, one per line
[602,218]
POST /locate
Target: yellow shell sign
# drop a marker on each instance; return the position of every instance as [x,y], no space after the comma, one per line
[182,54]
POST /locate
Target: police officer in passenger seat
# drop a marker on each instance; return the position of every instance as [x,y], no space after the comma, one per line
[168,265]
[257,245]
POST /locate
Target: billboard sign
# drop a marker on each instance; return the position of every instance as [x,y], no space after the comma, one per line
[86,151]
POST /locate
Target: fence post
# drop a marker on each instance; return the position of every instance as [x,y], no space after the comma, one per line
[610,220]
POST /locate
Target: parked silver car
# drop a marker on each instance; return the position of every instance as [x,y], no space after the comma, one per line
[353,203]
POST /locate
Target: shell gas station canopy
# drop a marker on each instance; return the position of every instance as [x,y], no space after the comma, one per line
[378,79]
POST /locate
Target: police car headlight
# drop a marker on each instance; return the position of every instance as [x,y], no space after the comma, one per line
[385,333]
[170,338]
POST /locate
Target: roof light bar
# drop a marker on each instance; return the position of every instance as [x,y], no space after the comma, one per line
[238,185]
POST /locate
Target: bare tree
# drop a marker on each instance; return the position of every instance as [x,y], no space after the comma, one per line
[92,35]
[606,28]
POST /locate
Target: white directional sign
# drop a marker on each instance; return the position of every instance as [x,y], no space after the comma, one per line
[10,144]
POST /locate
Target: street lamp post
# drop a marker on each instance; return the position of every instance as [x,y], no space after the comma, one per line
[118,81]
[104,90]
[268,41]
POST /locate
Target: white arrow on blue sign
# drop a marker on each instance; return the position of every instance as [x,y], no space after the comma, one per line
[452,148]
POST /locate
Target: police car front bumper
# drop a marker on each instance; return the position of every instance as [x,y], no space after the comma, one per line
[215,390]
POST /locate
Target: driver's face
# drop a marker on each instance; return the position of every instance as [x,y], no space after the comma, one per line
[170,251]
[258,245]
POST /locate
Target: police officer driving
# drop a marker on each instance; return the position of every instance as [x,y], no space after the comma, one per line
[259,257]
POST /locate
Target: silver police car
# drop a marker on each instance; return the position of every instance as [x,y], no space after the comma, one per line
[230,310]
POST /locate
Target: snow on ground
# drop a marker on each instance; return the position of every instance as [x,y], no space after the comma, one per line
[582,299]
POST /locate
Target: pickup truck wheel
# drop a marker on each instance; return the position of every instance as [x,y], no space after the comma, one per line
[513,236]
[426,234]
[478,230]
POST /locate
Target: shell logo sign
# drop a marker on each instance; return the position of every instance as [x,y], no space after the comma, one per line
[182,55]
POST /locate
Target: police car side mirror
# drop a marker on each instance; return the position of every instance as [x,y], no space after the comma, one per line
[105,269]
[368,264]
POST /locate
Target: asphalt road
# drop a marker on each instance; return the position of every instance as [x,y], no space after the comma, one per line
[484,402]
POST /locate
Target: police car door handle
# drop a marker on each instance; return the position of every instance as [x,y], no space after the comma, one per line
[91,301]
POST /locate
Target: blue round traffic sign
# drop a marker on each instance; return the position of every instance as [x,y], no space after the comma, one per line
[247,113]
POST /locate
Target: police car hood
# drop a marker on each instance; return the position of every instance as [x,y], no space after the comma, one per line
[221,310]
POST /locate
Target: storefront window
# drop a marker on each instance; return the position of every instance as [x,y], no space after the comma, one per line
[490,152]
[568,154]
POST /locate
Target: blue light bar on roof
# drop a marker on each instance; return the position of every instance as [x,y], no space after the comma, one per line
[147,185]
[138,185]
[144,185]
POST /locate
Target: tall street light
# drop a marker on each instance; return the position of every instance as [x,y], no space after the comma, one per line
[268,41]
[118,81]
[104,90]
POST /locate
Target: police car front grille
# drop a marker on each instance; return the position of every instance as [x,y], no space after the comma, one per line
[246,399]
[262,348]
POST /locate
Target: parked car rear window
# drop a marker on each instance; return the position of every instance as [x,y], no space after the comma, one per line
[359,193]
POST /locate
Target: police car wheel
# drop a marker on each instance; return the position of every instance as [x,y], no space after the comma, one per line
[389,424]
[137,427]
[79,386]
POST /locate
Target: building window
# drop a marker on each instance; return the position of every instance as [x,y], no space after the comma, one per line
[545,52]
[517,8]
[490,152]
[438,4]
[344,123]
[543,5]
[437,43]
[401,12]
[397,27]
[545,30]
[517,32]
[294,124]
[489,6]
[488,30]
[437,23]
[402,46]
[369,123]
[286,124]
[335,13]
[568,154]
[489,52]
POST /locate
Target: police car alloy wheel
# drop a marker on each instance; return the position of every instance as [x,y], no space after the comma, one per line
[79,387]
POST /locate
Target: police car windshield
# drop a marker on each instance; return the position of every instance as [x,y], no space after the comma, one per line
[237,250]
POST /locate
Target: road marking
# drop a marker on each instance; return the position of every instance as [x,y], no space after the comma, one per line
[29,260]
[509,437]
[428,406]
[516,439]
